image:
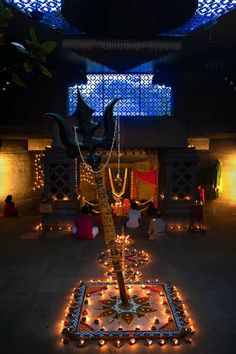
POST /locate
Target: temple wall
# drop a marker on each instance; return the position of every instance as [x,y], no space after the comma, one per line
[16,174]
[153,133]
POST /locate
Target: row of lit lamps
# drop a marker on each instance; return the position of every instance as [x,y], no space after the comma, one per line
[119,342]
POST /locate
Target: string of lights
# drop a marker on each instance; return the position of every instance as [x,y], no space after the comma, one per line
[86,175]
[38,172]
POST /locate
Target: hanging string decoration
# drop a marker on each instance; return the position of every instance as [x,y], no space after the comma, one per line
[38,172]
[76,175]
[118,179]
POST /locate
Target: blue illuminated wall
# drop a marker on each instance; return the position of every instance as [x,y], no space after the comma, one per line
[208,10]
[138,96]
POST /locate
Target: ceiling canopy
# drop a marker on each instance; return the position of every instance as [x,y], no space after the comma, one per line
[124,18]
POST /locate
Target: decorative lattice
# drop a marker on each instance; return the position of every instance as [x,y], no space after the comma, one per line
[182,181]
[59,180]
[138,96]
[50,10]
[207,11]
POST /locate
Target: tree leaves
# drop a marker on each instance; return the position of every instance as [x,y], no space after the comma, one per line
[5,15]
[44,70]
[37,50]
[48,47]
[33,36]
[31,58]
[17,80]
[28,66]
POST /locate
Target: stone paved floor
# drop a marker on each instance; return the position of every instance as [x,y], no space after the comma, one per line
[37,276]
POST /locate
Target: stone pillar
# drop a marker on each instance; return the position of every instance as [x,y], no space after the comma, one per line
[60,205]
[178,180]
[59,175]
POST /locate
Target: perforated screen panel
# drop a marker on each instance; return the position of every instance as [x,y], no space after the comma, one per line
[50,10]
[138,96]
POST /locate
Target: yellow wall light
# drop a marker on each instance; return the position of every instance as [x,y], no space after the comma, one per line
[3,176]
[228,180]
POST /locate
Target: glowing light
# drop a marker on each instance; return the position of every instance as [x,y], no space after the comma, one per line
[161,341]
[140,97]
[228,177]
[101,342]
[86,175]
[207,11]
[148,342]
[81,343]
[117,343]
[5,182]
[118,340]
[132,341]
[38,171]
[175,341]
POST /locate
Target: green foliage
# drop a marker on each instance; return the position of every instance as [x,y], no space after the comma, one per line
[37,50]
[28,59]
[44,70]
[27,66]
[5,16]
[17,80]
[48,47]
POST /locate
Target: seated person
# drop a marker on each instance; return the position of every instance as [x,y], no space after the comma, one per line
[157,228]
[83,228]
[9,209]
[133,216]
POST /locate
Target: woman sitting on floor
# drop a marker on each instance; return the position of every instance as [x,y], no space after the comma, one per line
[9,209]
[133,216]
[157,229]
[83,228]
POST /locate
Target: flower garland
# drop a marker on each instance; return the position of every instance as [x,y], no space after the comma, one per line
[114,192]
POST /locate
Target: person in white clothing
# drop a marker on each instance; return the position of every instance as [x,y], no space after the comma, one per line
[157,228]
[133,216]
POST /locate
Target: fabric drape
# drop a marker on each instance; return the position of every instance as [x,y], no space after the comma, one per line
[148,177]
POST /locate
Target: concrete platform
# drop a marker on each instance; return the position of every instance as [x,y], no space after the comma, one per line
[37,278]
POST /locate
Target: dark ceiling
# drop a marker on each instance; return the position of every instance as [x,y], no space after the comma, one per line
[207,53]
[127,18]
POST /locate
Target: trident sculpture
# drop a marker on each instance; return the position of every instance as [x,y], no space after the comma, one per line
[92,145]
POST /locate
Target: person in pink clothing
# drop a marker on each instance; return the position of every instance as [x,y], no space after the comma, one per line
[83,228]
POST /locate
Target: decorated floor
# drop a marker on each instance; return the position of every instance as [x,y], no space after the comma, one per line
[38,278]
[155,312]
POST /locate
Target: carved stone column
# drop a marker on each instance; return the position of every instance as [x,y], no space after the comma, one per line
[60,205]
[178,179]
